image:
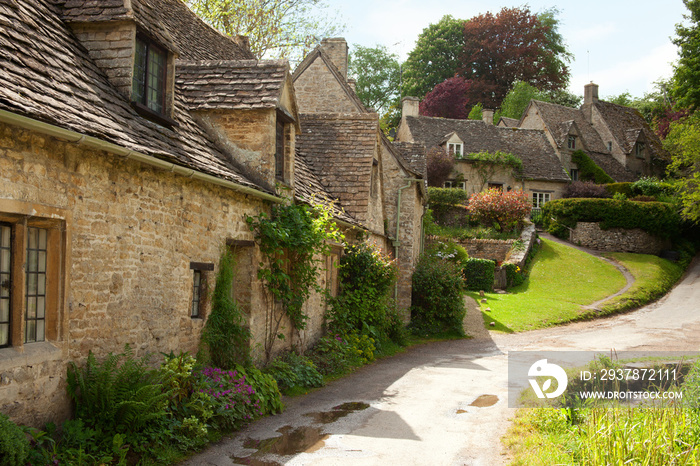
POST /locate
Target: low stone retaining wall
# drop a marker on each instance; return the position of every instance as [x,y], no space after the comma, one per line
[492,249]
[590,235]
[517,257]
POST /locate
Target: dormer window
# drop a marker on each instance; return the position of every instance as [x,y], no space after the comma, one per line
[639,150]
[455,148]
[149,83]
[571,142]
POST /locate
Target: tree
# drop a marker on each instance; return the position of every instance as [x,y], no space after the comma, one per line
[377,75]
[512,46]
[435,58]
[683,142]
[686,78]
[447,100]
[516,101]
[440,165]
[275,28]
[505,210]
[476,113]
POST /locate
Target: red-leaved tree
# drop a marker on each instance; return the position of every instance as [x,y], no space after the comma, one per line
[513,45]
[504,210]
[447,100]
[440,165]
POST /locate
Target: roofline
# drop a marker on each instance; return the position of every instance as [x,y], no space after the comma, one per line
[95,143]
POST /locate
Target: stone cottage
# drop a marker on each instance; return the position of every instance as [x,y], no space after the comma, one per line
[343,144]
[615,137]
[542,177]
[134,139]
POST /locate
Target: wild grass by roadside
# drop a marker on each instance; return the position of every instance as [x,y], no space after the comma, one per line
[653,277]
[562,279]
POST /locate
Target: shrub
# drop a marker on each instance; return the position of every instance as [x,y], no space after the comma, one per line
[447,206]
[291,370]
[585,189]
[14,446]
[620,197]
[479,274]
[649,186]
[449,250]
[267,393]
[449,196]
[624,188]
[439,166]
[643,199]
[224,336]
[655,218]
[514,276]
[366,279]
[437,296]
[505,210]
[231,397]
[338,353]
[588,170]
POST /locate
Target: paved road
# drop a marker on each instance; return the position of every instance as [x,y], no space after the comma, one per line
[419,405]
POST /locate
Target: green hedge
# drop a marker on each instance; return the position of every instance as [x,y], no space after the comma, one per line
[624,188]
[588,170]
[450,196]
[479,274]
[656,218]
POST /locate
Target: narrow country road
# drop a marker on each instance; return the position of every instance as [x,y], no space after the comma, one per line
[424,406]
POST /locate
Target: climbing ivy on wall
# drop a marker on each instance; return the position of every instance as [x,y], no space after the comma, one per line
[292,240]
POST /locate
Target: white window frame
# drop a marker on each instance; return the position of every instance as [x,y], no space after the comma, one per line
[540,198]
[455,184]
[456,149]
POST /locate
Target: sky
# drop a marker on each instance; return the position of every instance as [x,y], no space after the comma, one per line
[621,45]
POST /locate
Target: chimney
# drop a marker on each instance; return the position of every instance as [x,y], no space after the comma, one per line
[409,106]
[337,49]
[590,94]
[487,116]
[353,84]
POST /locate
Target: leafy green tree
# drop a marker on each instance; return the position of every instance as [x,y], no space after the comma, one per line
[275,28]
[377,75]
[476,113]
[435,58]
[687,71]
[517,100]
[683,142]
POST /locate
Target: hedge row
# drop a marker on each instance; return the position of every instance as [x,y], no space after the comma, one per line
[588,170]
[655,218]
[479,274]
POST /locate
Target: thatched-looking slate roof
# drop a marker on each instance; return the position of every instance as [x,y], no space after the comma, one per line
[340,149]
[47,75]
[531,146]
[239,84]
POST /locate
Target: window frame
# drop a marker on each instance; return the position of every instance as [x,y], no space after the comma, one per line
[640,150]
[199,288]
[454,184]
[6,283]
[571,142]
[152,50]
[456,149]
[574,174]
[540,198]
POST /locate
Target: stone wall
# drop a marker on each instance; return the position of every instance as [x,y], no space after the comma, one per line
[492,249]
[318,91]
[130,233]
[590,235]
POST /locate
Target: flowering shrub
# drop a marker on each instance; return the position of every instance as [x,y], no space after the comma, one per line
[504,210]
[232,397]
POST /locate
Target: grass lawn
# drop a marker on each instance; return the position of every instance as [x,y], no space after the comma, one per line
[653,276]
[562,279]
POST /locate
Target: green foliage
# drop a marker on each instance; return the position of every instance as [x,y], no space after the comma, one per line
[291,240]
[622,188]
[338,353]
[225,335]
[377,76]
[14,446]
[267,393]
[479,274]
[519,97]
[514,276]
[683,141]
[649,186]
[440,165]
[476,113]
[291,370]
[231,397]
[504,211]
[686,78]
[435,57]
[366,279]
[449,196]
[588,170]
[438,289]
[120,395]
[450,251]
[487,164]
[620,197]
[276,29]
[656,218]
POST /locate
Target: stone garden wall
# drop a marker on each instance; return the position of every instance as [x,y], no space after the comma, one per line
[590,235]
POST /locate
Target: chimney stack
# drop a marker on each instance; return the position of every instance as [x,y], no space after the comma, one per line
[590,94]
[337,49]
[487,116]
[409,107]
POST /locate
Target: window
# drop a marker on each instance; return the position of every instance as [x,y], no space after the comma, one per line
[574,174]
[279,151]
[455,184]
[455,149]
[199,287]
[150,64]
[539,199]
[639,150]
[498,186]
[609,146]
[571,142]
[30,261]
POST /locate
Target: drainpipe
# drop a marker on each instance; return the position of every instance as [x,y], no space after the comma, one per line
[397,241]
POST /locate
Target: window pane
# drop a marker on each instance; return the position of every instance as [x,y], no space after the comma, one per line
[40,330]
[139,82]
[42,239]
[33,234]
[4,260]
[41,284]
[156,79]
[5,236]
[40,307]
[31,307]
[4,334]
[30,333]
[32,261]
[31,284]
[41,260]
[4,310]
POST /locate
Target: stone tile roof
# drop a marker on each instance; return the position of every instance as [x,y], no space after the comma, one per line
[45,74]
[539,159]
[170,22]
[509,122]
[240,84]
[340,149]
[308,188]
[559,120]
[414,154]
[612,167]
[626,125]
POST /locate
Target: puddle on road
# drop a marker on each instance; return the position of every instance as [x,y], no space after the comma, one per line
[484,401]
[337,412]
[296,440]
